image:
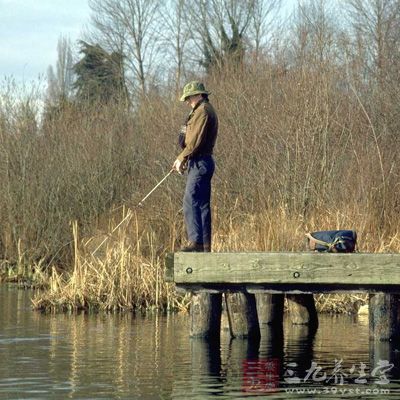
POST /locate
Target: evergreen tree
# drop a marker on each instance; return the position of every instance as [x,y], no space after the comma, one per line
[99,75]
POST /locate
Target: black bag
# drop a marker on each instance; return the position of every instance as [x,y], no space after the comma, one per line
[342,241]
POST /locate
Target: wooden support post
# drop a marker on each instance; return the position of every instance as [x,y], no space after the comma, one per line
[205,314]
[384,317]
[302,309]
[270,308]
[243,312]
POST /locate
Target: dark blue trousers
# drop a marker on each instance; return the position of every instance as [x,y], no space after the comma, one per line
[197,198]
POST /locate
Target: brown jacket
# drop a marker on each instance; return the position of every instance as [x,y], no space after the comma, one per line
[201,131]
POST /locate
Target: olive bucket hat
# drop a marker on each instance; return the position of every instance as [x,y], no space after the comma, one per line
[193,88]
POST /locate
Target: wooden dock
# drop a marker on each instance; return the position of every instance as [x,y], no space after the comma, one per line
[260,280]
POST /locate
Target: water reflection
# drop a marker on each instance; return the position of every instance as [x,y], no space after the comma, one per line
[299,348]
[277,365]
[385,353]
[85,356]
[206,368]
[237,367]
[263,365]
[152,357]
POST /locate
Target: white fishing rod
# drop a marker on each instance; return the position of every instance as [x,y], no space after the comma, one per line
[129,214]
[154,188]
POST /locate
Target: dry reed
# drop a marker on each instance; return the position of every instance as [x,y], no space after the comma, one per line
[298,150]
[124,270]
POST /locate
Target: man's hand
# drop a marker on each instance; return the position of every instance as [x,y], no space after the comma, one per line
[179,166]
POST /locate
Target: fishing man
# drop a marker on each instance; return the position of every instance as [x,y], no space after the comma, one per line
[197,141]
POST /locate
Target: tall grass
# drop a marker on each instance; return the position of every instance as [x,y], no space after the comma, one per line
[298,150]
[116,279]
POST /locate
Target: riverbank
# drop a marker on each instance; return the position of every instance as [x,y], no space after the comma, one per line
[123,269]
[308,156]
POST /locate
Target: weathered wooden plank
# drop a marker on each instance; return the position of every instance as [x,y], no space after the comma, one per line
[287,268]
[284,288]
[169,267]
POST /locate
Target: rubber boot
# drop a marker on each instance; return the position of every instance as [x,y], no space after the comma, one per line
[207,247]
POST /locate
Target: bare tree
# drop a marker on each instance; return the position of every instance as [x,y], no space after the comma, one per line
[128,27]
[60,82]
[376,23]
[261,23]
[315,29]
[219,28]
[175,34]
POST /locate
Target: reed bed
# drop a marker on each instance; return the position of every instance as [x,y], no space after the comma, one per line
[123,269]
[111,273]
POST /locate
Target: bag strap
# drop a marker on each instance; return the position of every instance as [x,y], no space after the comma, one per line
[330,246]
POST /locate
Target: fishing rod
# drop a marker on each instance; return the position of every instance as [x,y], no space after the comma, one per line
[154,188]
[129,214]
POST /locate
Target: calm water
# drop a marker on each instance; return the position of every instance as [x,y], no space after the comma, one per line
[136,357]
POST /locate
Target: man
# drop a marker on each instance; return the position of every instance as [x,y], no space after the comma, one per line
[198,142]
